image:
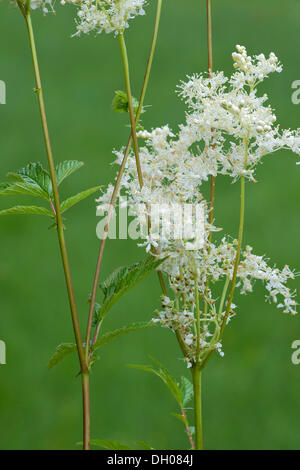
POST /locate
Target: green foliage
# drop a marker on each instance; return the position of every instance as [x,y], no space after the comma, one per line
[61,352]
[110,445]
[66,168]
[35,176]
[107,337]
[165,376]
[182,393]
[27,210]
[71,201]
[23,188]
[123,280]
[33,180]
[120,102]
[186,391]
[65,349]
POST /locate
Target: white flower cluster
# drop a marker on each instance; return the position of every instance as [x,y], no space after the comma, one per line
[230,120]
[227,131]
[105,15]
[46,5]
[255,267]
[215,262]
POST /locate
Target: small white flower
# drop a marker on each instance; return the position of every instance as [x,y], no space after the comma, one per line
[46,5]
[105,15]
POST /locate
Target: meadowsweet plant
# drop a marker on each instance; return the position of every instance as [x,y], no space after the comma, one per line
[229,129]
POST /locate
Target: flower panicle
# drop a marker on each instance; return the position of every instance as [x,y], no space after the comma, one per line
[110,16]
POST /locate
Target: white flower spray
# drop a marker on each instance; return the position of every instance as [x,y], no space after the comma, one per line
[229,130]
[45,5]
[105,15]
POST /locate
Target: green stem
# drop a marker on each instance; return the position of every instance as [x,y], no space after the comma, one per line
[237,258]
[130,106]
[209,37]
[239,246]
[86,410]
[196,373]
[118,182]
[223,296]
[59,221]
[135,145]
[197,316]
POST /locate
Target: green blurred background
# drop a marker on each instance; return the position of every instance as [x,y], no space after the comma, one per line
[251,396]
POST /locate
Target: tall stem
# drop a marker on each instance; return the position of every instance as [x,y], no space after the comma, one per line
[196,372]
[86,410]
[59,222]
[130,106]
[118,180]
[237,258]
[197,315]
[136,149]
[209,37]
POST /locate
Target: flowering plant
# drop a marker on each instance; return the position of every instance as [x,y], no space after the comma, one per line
[229,129]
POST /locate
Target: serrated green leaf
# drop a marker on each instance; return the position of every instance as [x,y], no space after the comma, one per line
[111,445]
[123,280]
[170,382]
[28,189]
[107,337]
[165,376]
[61,352]
[120,102]
[14,176]
[65,169]
[36,176]
[186,390]
[34,210]
[71,201]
